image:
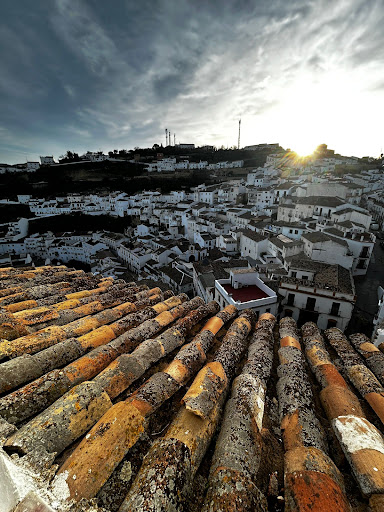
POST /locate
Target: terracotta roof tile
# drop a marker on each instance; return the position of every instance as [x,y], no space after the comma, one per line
[92,371]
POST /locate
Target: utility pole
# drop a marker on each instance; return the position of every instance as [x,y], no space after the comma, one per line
[238,142]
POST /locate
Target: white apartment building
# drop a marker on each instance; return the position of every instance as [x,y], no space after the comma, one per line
[360,244]
[262,198]
[227,244]
[206,195]
[198,165]
[252,245]
[324,248]
[80,251]
[135,258]
[324,294]
[205,240]
[245,290]
[355,215]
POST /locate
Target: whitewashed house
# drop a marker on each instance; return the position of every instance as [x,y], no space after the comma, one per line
[324,294]
[245,290]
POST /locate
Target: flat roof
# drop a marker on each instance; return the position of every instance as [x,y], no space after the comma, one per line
[246,294]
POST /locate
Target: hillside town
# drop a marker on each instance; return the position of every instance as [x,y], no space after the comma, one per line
[288,239]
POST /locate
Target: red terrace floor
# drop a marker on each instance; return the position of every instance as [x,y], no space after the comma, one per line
[245,294]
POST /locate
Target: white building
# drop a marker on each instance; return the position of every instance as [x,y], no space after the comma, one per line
[321,247]
[245,290]
[324,294]
[47,160]
[32,166]
[227,244]
[135,257]
[252,245]
[95,156]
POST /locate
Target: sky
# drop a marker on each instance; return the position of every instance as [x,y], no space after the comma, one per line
[101,75]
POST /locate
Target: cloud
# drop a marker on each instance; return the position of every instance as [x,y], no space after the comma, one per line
[117,73]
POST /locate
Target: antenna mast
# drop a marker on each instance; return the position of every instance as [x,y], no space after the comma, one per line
[238,142]
[174,139]
[166,137]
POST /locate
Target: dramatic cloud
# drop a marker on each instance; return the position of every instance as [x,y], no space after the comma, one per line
[90,74]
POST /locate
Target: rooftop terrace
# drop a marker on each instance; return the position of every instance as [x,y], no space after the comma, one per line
[250,293]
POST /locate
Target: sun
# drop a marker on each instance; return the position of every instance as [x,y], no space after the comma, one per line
[304,148]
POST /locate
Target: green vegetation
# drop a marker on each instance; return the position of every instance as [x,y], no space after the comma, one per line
[129,177]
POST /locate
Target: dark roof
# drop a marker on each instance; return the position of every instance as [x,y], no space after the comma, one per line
[319,236]
[302,262]
[246,215]
[282,243]
[220,269]
[175,275]
[297,225]
[253,235]
[332,202]
[328,277]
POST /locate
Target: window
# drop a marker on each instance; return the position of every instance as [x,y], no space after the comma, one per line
[290,299]
[310,306]
[335,308]
[288,312]
[293,274]
[364,252]
[268,310]
[304,278]
[331,323]
[362,264]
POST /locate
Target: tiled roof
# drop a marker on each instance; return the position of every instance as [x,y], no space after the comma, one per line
[320,201]
[327,277]
[319,236]
[302,262]
[285,242]
[253,235]
[112,394]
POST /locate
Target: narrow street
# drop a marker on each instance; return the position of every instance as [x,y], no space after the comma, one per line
[366,291]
